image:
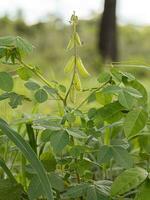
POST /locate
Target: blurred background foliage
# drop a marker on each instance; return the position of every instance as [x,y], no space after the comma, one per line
[50,40]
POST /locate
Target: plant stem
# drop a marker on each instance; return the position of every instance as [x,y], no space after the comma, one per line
[86,99]
[75,64]
[40,76]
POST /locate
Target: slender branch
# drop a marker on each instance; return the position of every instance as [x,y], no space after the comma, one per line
[75,64]
[39,75]
[86,99]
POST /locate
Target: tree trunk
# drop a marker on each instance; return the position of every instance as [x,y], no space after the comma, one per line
[108,32]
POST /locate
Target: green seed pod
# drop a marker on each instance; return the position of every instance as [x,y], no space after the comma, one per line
[70,44]
[77,82]
[77,38]
[72,94]
[81,68]
[69,66]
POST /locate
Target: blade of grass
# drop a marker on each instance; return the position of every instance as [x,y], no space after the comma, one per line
[30,156]
[6,170]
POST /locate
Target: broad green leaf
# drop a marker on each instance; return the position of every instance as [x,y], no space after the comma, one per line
[103,98]
[143,191]
[59,140]
[7,41]
[122,157]
[105,154]
[32,85]
[6,81]
[41,95]
[116,75]
[30,156]
[82,71]
[23,46]
[126,100]
[70,64]
[46,134]
[92,113]
[49,161]
[77,150]
[76,133]
[35,190]
[91,193]
[128,180]
[138,86]
[104,77]
[11,190]
[51,91]
[24,73]
[19,43]
[76,191]
[4,96]
[70,117]
[56,182]
[110,112]
[62,88]
[112,89]
[103,187]
[129,76]
[133,92]
[135,121]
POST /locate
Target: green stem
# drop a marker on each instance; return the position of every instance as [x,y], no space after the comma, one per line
[86,99]
[75,64]
[40,76]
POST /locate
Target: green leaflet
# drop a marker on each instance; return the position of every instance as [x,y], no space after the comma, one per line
[103,98]
[30,156]
[91,193]
[122,157]
[24,73]
[76,191]
[110,112]
[59,139]
[11,190]
[16,42]
[6,82]
[14,99]
[138,86]
[32,85]
[104,77]
[126,100]
[135,121]
[104,154]
[49,161]
[35,189]
[128,180]
[41,95]
[143,191]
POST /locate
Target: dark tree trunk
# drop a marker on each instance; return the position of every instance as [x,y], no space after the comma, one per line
[108,32]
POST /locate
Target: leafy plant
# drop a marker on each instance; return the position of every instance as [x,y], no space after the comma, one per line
[97,147]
